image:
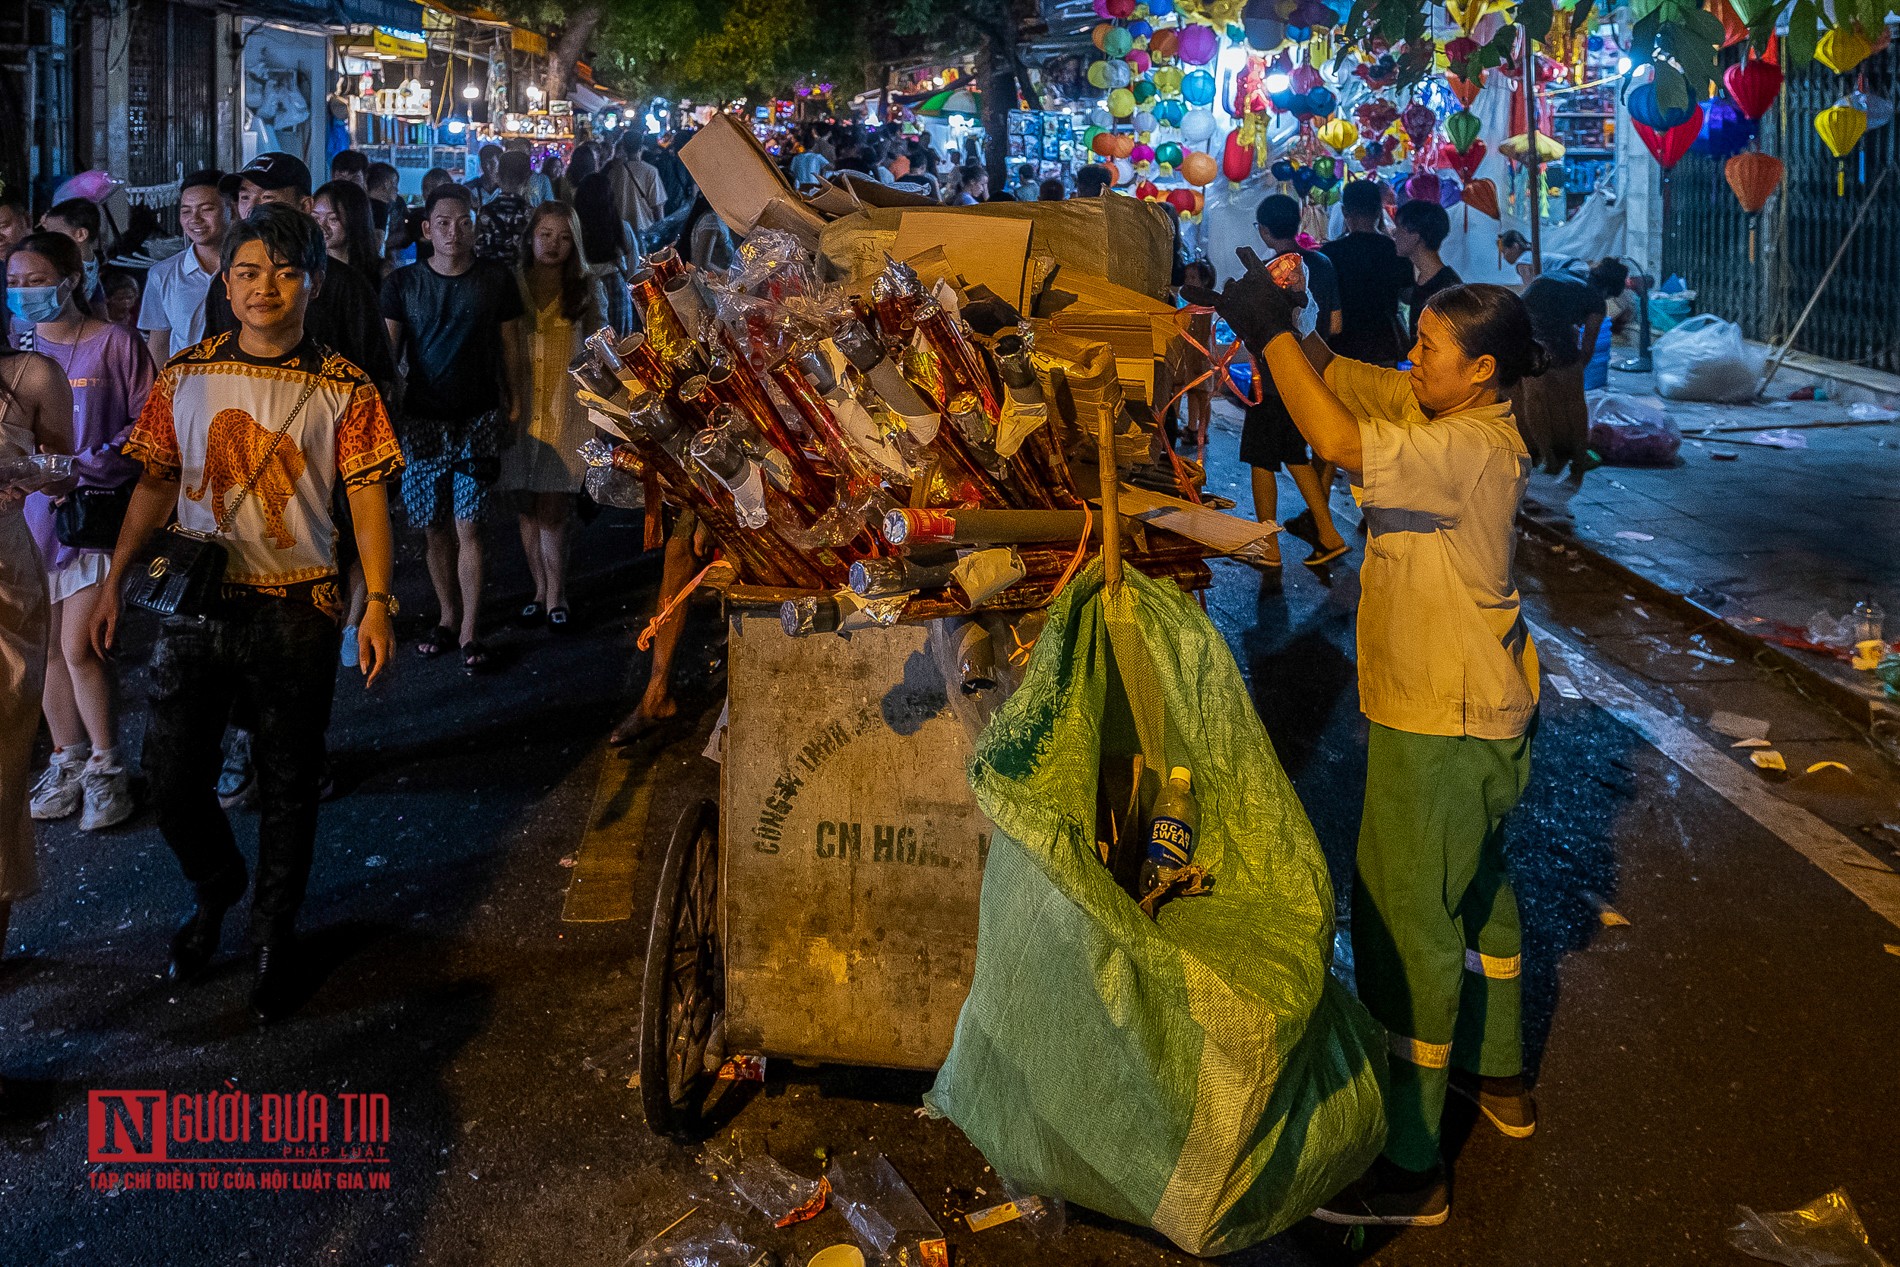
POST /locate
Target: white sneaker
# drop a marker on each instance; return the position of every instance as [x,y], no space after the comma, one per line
[108,798]
[56,793]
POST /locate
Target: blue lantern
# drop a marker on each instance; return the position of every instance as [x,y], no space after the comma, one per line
[1198,88]
[1726,131]
[1282,169]
[1646,110]
[1170,112]
[1160,8]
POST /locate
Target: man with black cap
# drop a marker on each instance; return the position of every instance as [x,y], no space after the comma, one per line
[344,312]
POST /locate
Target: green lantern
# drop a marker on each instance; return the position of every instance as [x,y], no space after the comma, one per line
[1145,91]
[1324,167]
[1168,154]
[1463,129]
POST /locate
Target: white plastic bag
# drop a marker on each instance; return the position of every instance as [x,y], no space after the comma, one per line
[1632,431]
[1706,358]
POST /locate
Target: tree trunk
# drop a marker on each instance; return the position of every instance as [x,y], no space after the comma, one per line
[997,82]
[580,28]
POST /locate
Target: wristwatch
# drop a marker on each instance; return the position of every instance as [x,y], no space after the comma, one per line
[388,601]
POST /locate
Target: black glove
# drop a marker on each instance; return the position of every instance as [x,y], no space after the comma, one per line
[1254,306]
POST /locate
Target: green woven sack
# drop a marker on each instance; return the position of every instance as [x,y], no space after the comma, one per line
[1203,1074]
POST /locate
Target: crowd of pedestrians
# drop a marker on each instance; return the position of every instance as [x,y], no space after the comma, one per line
[313,355]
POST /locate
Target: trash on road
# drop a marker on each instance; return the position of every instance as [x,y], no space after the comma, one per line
[1862,411]
[1564,686]
[1780,438]
[768,1187]
[885,1213]
[1751,743]
[843,1254]
[1826,1232]
[1633,431]
[1706,358]
[1768,759]
[687,1242]
[1627,535]
[1607,915]
[742,1069]
[1737,726]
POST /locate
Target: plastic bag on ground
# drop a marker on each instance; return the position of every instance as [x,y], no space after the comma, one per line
[1202,1074]
[885,1213]
[1633,431]
[686,1246]
[1826,1232]
[1706,358]
[777,1193]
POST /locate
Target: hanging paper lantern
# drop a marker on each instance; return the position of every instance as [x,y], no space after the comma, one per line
[1549,148]
[1101,9]
[1102,143]
[1142,156]
[1168,81]
[1462,88]
[1145,121]
[1168,154]
[1467,13]
[1320,103]
[1753,84]
[1197,87]
[1482,195]
[1303,181]
[1197,126]
[1124,145]
[1198,168]
[1417,120]
[1842,49]
[1423,186]
[1753,176]
[1375,116]
[1669,146]
[1117,42]
[1147,190]
[1140,29]
[1265,34]
[1182,200]
[1099,36]
[1121,103]
[1465,162]
[1284,100]
[1725,130]
[1841,128]
[1164,44]
[1878,109]
[1145,91]
[1236,161]
[1100,117]
[1325,167]
[1171,112]
[1160,8]
[1462,128]
[1138,61]
[1283,169]
[1339,135]
[1198,45]
[1646,110]
[1098,74]
[1448,193]
[1304,79]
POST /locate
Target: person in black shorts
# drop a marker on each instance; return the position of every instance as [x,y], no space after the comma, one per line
[1268,438]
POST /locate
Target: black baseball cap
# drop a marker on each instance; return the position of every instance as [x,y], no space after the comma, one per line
[275,170]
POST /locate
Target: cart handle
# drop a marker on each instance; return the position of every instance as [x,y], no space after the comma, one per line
[1111,502]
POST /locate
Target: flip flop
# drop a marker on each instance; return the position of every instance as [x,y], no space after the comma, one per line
[1320,558]
[475,658]
[531,616]
[1303,527]
[438,640]
[558,621]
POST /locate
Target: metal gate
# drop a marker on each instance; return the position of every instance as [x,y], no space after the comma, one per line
[172,114]
[1800,229]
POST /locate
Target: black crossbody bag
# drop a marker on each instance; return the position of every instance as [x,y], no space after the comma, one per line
[185,576]
[90,518]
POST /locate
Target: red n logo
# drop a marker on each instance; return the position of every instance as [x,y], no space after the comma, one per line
[123,1126]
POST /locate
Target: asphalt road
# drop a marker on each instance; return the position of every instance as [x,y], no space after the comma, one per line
[1732,1043]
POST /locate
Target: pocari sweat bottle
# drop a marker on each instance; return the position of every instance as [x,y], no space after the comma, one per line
[1170,834]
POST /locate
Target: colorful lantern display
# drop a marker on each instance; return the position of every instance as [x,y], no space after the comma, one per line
[1669,146]
[1753,176]
[1646,110]
[1168,154]
[1198,45]
[1725,130]
[1465,162]
[1197,127]
[1423,186]
[1464,89]
[1753,84]
[1121,103]
[1482,195]
[1197,88]
[1338,135]
[1198,168]
[1462,128]
[1182,200]
[1842,49]
[1418,121]
[1840,128]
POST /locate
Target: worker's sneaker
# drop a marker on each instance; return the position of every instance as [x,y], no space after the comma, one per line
[108,797]
[1391,1196]
[57,792]
[1504,1101]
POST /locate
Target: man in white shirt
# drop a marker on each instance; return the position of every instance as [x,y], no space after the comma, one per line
[172,314]
[639,194]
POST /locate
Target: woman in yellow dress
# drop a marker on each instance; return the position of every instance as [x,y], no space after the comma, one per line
[543,469]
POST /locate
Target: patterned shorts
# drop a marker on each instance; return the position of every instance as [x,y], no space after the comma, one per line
[453,480]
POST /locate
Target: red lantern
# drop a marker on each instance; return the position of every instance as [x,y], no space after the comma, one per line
[1466,163]
[1236,160]
[1147,191]
[1482,195]
[1424,186]
[1670,146]
[1753,83]
[1460,50]
[1182,200]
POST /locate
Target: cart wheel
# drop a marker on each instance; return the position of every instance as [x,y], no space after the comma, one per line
[685,990]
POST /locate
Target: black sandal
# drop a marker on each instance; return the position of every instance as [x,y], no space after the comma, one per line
[475,658]
[1320,558]
[438,640]
[558,619]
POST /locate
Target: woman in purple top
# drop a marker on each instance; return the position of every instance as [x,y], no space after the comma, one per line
[110,372]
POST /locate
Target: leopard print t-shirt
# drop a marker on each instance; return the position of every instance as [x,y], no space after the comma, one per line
[208,423]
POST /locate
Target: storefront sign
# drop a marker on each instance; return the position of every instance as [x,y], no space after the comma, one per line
[400,45]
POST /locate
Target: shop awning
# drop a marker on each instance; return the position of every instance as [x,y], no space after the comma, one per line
[587,98]
[402,15]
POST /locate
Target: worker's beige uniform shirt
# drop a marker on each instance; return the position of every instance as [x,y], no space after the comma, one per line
[1442,644]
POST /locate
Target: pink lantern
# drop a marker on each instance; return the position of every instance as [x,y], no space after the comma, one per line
[1304,79]
[1198,45]
[1138,61]
[1418,121]
[1423,186]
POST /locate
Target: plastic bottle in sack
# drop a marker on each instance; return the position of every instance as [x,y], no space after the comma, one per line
[1170,834]
[1870,621]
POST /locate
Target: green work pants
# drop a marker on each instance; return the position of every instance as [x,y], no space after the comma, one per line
[1434,922]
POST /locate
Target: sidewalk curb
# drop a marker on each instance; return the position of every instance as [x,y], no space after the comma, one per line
[1858,709]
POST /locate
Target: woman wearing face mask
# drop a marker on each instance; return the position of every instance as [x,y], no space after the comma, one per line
[1448,679]
[110,373]
[36,415]
[543,469]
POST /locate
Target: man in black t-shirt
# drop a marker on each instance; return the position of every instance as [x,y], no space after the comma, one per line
[458,320]
[1566,315]
[1418,230]
[1371,276]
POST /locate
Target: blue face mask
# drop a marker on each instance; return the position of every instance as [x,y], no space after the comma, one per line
[36,303]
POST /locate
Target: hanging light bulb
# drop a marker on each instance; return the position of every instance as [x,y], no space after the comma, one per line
[1278,82]
[471,92]
[1623,65]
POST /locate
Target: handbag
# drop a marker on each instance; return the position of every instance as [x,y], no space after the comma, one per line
[186,575]
[90,518]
